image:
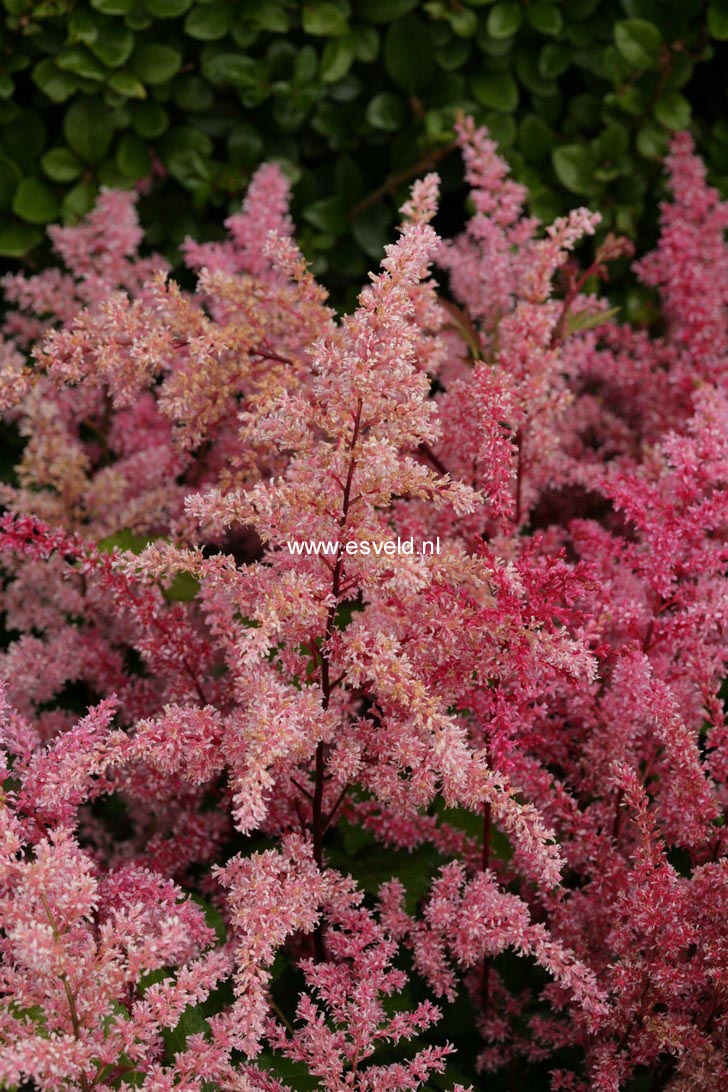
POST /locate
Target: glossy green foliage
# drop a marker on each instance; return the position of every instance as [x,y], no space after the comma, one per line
[351,95]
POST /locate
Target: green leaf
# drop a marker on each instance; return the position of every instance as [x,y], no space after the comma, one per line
[371,229]
[504,19]
[232,68]
[25,137]
[167,9]
[613,143]
[132,156]
[191,93]
[673,110]
[638,41]
[87,128]
[574,167]
[81,63]
[183,588]
[113,7]
[496,90]
[138,18]
[155,64]
[55,84]
[408,53]
[718,22]
[78,201]
[545,18]
[186,153]
[536,139]
[583,320]
[124,540]
[270,16]
[325,19]
[17,239]
[149,119]
[83,26]
[213,917]
[651,142]
[61,165]
[553,60]
[127,85]
[386,11]
[35,201]
[245,146]
[10,175]
[328,214]
[208,22]
[463,22]
[287,1073]
[386,111]
[113,44]
[366,44]
[336,59]
[191,1022]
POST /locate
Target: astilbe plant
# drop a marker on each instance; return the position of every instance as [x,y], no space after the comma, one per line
[276,819]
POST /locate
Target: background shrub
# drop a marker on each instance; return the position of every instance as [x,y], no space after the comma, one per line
[351,96]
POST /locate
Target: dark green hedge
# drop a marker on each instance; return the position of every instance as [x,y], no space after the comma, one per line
[350,94]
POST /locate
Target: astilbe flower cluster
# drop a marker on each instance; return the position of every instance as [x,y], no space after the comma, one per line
[276,820]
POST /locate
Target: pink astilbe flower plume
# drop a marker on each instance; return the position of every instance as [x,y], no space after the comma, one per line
[276,813]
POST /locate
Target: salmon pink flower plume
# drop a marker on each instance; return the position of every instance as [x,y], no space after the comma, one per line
[362,719]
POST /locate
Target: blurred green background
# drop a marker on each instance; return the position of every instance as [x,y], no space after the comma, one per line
[353,97]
